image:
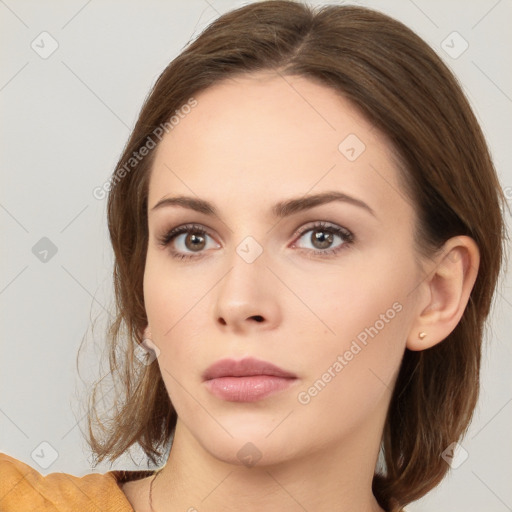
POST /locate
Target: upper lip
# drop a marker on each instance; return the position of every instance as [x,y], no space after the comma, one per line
[244,368]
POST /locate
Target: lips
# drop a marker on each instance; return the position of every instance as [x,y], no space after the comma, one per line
[244,368]
[246,380]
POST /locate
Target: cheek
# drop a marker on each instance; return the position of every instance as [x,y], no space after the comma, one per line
[177,306]
[366,315]
[167,299]
[352,373]
[169,292]
[171,306]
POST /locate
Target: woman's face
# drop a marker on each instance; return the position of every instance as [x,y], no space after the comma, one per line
[323,289]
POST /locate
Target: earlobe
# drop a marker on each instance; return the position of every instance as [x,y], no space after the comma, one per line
[449,284]
[147,339]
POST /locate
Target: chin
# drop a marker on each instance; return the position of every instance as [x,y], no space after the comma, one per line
[249,442]
[250,452]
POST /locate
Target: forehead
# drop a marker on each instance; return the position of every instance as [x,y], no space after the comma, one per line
[266,136]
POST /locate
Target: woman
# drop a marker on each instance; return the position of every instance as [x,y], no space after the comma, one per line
[297,221]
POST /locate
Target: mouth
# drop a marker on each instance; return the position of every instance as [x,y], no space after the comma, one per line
[246,380]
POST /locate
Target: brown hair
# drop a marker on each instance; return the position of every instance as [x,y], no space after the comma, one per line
[398,83]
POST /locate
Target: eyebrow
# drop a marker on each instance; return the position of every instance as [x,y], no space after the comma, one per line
[280,209]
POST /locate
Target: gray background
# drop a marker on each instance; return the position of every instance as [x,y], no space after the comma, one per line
[65,119]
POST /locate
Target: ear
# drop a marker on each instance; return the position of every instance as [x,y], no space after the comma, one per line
[147,339]
[446,290]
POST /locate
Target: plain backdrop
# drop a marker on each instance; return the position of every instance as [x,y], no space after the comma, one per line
[73,77]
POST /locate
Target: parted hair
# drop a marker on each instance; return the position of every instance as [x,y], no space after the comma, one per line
[398,83]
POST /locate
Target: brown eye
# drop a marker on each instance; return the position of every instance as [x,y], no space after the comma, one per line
[321,238]
[195,242]
[186,240]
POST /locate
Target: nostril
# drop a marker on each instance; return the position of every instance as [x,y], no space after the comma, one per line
[258,318]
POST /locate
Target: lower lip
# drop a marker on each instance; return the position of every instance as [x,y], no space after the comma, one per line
[247,389]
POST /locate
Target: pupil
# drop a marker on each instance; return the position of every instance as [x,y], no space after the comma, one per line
[320,237]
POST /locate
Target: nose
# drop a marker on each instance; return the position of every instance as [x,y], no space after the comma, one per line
[245,299]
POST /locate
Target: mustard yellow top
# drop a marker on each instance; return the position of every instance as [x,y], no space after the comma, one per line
[23,489]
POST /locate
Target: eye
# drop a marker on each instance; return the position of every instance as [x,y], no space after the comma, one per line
[324,238]
[192,240]
[187,240]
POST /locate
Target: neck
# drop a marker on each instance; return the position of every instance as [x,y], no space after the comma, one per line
[329,479]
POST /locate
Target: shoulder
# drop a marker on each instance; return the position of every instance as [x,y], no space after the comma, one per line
[23,488]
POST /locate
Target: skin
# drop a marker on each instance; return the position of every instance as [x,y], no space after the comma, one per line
[249,143]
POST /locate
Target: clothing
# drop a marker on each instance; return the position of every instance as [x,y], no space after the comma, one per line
[23,489]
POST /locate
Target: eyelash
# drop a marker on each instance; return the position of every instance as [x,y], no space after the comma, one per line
[343,233]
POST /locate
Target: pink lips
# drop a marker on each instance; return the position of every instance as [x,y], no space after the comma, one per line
[246,380]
